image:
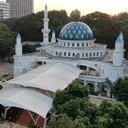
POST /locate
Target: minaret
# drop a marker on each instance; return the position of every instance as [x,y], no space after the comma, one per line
[53,40]
[45,31]
[18,47]
[118,54]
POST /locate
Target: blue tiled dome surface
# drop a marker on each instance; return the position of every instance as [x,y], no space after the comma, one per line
[76,31]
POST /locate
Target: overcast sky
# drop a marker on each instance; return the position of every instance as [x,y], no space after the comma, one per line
[85,6]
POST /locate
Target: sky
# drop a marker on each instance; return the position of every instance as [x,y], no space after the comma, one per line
[85,6]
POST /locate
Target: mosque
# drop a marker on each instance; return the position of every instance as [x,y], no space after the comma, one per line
[75,46]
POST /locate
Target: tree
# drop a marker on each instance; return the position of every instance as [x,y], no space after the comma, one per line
[116,114]
[77,89]
[120,90]
[61,121]
[7,42]
[75,15]
[73,91]
[28,48]
[81,113]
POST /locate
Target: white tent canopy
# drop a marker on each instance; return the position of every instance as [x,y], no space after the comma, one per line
[26,99]
[49,77]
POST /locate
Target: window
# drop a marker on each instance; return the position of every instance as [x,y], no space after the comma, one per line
[94,54]
[82,44]
[56,53]
[78,44]
[73,45]
[64,44]
[90,54]
[97,53]
[101,54]
[64,53]
[87,44]
[69,54]
[73,54]
[86,54]
[68,44]
[82,54]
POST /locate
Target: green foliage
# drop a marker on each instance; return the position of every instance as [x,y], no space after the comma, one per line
[1,78]
[61,121]
[28,48]
[120,90]
[60,98]
[75,15]
[7,42]
[75,106]
[77,89]
[74,90]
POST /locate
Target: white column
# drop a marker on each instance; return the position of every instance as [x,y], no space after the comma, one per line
[95,87]
[45,31]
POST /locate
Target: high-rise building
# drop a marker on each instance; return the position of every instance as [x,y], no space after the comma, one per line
[20,8]
[4,10]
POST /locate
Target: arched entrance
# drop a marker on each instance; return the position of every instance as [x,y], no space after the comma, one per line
[91,88]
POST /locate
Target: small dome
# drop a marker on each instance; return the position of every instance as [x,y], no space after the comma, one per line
[76,31]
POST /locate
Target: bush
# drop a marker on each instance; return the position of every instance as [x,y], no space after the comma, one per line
[28,48]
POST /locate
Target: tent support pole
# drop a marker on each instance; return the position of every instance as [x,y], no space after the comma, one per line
[6,110]
[37,119]
[32,118]
[48,93]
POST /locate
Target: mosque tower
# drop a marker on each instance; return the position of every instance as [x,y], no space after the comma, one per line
[53,40]
[18,47]
[118,54]
[46,31]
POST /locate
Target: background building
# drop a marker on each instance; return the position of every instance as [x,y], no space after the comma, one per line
[4,10]
[21,8]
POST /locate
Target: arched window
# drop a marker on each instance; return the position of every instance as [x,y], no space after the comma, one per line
[64,53]
[82,54]
[68,44]
[86,54]
[97,53]
[73,45]
[69,54]
[101,54]
[82,44]
[64,44]
[93,53]
[87,44]
[78,44]
[73,54]
[56,53]
[90,54]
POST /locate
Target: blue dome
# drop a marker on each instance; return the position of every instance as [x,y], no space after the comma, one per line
[76,31]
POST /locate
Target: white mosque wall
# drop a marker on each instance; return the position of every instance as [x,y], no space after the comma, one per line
[106,70]
[76,43]
[75,53]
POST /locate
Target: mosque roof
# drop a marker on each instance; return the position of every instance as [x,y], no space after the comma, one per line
[76,31]
[18,35]
[120,38]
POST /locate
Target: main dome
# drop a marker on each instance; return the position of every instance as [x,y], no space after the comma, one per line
[76,31]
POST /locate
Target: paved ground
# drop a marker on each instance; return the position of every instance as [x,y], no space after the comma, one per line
[6,68]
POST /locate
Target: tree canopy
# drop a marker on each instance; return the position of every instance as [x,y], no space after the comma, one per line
[73,109]
[105,27]
[120,90]
[7,42]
